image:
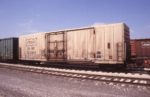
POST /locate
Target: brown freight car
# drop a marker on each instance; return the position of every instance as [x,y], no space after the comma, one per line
[140,52]
[100,44]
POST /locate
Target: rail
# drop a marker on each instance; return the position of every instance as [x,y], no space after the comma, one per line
[81,74]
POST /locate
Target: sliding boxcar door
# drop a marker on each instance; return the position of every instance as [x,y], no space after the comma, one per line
[56,48]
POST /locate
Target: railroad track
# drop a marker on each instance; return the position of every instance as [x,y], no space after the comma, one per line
[73,74]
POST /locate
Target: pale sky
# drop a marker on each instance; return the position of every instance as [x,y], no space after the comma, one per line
[18,17]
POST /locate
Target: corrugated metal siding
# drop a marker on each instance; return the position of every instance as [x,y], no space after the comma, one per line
[143,48]
[9,49]
[133,48]
[140,48]
[141,52]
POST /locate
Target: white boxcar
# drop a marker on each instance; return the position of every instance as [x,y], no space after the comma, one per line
[100,44]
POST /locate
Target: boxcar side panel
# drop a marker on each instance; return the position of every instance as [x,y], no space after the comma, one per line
[110,44]
[32,47]
[140,48]
[140,52]
[118,36]
[143,48]
[80,45]
[9,49]
[99,43]
[56,45]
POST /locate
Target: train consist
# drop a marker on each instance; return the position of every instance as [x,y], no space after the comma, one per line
[107,44]
[140,52]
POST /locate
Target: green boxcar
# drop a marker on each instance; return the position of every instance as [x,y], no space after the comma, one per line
[9,49]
